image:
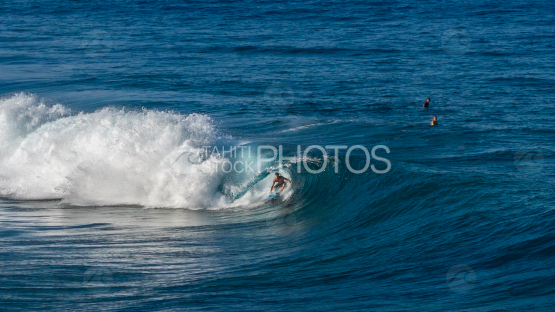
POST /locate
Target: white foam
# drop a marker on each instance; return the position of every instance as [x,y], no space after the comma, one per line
[108,157]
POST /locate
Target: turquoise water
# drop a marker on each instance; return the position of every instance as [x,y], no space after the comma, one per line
[115,120]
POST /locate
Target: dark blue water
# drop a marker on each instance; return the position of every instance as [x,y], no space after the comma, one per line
[99,101]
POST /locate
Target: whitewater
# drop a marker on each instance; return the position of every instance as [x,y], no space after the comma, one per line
[114,157]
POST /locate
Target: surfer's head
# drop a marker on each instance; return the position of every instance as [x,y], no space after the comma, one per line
[435,118]
[427,99]
[277,174]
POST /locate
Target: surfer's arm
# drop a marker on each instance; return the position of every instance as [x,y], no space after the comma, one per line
[273,182]
[288,181]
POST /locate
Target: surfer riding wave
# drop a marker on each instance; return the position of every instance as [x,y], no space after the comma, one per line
[280,182]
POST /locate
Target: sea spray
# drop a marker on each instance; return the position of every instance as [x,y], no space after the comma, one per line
[107,157]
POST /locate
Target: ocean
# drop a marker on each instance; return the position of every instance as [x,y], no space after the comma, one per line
[139,141]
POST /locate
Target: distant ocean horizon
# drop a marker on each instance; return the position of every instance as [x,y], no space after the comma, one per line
[139,141]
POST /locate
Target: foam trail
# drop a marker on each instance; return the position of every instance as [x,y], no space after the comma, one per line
[108,157]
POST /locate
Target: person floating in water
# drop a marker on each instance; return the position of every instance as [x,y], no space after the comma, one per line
[434,121]
[280,182]
[427,103]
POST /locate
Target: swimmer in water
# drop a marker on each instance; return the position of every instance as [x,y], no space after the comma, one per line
[427,103]
[434,121]
[280,182]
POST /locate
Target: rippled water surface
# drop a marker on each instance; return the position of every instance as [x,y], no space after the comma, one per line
[102,106]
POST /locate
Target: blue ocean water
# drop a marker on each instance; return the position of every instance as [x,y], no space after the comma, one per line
[103,104]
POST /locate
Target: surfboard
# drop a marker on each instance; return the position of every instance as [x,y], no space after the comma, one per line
[273,195]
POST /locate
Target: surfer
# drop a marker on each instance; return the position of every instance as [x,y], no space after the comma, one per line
[280,182]
[434,121]
[427,103]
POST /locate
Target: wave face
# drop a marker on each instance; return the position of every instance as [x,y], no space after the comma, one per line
[108,157]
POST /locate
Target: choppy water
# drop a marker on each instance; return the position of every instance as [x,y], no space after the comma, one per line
[100,211]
